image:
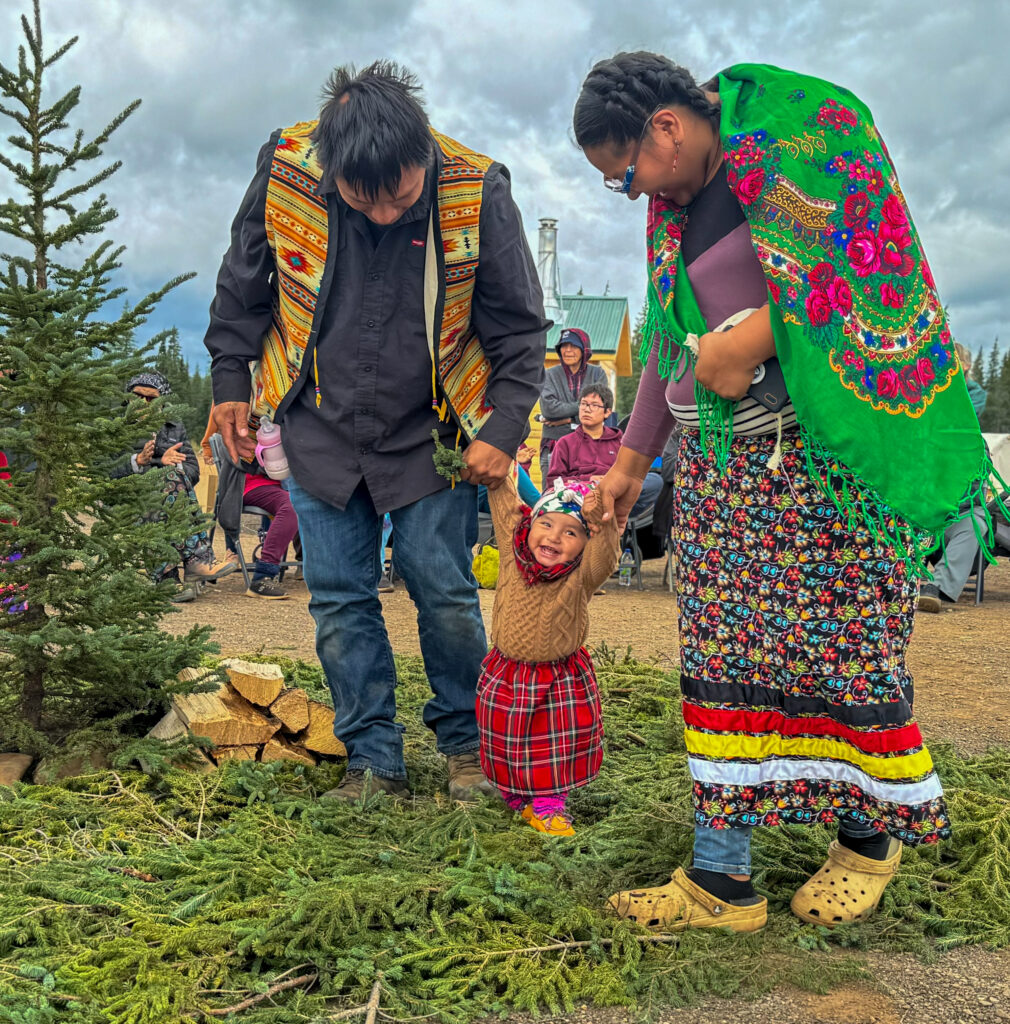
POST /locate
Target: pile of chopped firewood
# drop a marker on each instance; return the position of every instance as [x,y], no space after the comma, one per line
[252,717]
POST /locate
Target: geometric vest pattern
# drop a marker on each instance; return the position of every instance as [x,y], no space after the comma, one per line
[297,228]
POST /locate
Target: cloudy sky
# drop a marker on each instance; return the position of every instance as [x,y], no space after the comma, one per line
[217,77]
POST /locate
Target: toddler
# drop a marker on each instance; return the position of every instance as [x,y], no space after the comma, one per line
[538,707]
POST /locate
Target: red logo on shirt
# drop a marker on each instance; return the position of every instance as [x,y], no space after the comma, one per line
[418,242]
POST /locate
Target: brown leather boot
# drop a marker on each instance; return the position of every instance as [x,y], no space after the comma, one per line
[467,781]
[358,784]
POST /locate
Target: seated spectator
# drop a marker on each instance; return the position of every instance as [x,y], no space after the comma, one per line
[955,563]
[525,456]
[591,449]
[268,494]
[960,540]
[559,398]
[279,528]
[230,540]
[170,449]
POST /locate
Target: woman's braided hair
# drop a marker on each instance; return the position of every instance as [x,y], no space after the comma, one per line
[620,93]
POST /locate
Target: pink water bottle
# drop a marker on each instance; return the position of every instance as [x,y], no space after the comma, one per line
[270,451]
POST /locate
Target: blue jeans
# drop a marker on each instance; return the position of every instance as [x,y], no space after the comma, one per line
[342,563]
[651,486]
[727,850]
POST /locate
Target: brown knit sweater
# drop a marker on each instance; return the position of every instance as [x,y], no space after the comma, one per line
[550,620]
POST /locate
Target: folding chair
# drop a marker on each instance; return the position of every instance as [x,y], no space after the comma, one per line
[229,506]
[629,539]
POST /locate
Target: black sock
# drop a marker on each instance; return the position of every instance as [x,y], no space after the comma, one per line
[722,887]
[875,847]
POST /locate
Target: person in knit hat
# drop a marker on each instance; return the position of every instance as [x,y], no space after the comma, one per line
[538,705]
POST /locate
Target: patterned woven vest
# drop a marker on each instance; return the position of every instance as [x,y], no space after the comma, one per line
[298,231]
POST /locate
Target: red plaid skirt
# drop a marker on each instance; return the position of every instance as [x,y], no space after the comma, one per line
[541,727]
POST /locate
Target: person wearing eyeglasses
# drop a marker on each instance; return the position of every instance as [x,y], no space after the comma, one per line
[586,453]
[774,212]
[559,396]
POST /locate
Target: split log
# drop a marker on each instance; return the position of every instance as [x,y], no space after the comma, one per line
[259,684]
[224,717]
[13,768]
[292,708]
[278,749]
[243,752]
[171,727]
[319,736]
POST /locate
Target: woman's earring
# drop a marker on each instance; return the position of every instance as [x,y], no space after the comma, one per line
[676,158]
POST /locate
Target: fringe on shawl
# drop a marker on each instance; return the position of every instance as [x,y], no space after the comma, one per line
[856,501]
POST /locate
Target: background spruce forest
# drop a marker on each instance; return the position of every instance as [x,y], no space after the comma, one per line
[191,391]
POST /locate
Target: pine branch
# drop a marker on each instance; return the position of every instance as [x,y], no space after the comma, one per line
[556,947]
[281,986]
[369,1009]
[54,57]
[449,462]
[133,873]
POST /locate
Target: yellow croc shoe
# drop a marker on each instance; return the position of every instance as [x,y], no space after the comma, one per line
[847,887]
[551,825]
[682,904]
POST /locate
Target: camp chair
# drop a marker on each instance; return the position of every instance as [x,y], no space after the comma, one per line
[229,506]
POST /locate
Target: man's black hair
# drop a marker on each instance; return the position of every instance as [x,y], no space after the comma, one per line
[602,392]
[371,126]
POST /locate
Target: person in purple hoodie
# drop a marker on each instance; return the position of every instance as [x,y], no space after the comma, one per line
[588,451]
[559,398]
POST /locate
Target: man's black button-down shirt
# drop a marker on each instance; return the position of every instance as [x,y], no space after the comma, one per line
[375,417]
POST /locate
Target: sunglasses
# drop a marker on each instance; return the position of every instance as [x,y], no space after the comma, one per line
[622,186]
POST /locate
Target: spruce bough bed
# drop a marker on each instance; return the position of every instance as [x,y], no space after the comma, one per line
[153,899]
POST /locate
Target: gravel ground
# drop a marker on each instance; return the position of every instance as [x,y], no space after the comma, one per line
[959,658]
[961,666]
[964,986]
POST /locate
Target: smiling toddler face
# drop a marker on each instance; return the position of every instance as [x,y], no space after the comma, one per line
[555,538]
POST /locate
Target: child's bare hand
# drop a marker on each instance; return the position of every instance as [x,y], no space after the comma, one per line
[590,503]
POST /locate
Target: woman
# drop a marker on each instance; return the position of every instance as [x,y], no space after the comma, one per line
[559,399]
[800,534]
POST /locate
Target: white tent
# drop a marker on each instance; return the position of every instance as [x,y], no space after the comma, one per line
[999,446]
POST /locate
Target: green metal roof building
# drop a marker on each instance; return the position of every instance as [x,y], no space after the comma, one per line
[606,319]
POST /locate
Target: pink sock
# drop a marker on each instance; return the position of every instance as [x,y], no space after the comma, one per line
[515,803]
[548,806]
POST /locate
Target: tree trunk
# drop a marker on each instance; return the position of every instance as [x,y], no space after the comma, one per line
[33,692]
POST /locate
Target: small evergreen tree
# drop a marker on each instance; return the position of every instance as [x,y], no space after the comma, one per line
[978,367]
[999,397]
[80,639]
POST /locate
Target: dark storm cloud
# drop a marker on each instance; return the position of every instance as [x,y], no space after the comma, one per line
[216,79]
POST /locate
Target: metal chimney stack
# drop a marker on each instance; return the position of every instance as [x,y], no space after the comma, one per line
[547,269]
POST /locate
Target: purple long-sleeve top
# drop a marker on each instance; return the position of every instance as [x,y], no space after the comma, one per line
[726,277]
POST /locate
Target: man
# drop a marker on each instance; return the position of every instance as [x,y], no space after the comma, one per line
[380,277]
[559,401]
[591,449]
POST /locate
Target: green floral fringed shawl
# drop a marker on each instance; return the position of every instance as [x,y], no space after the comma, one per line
[859,329]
